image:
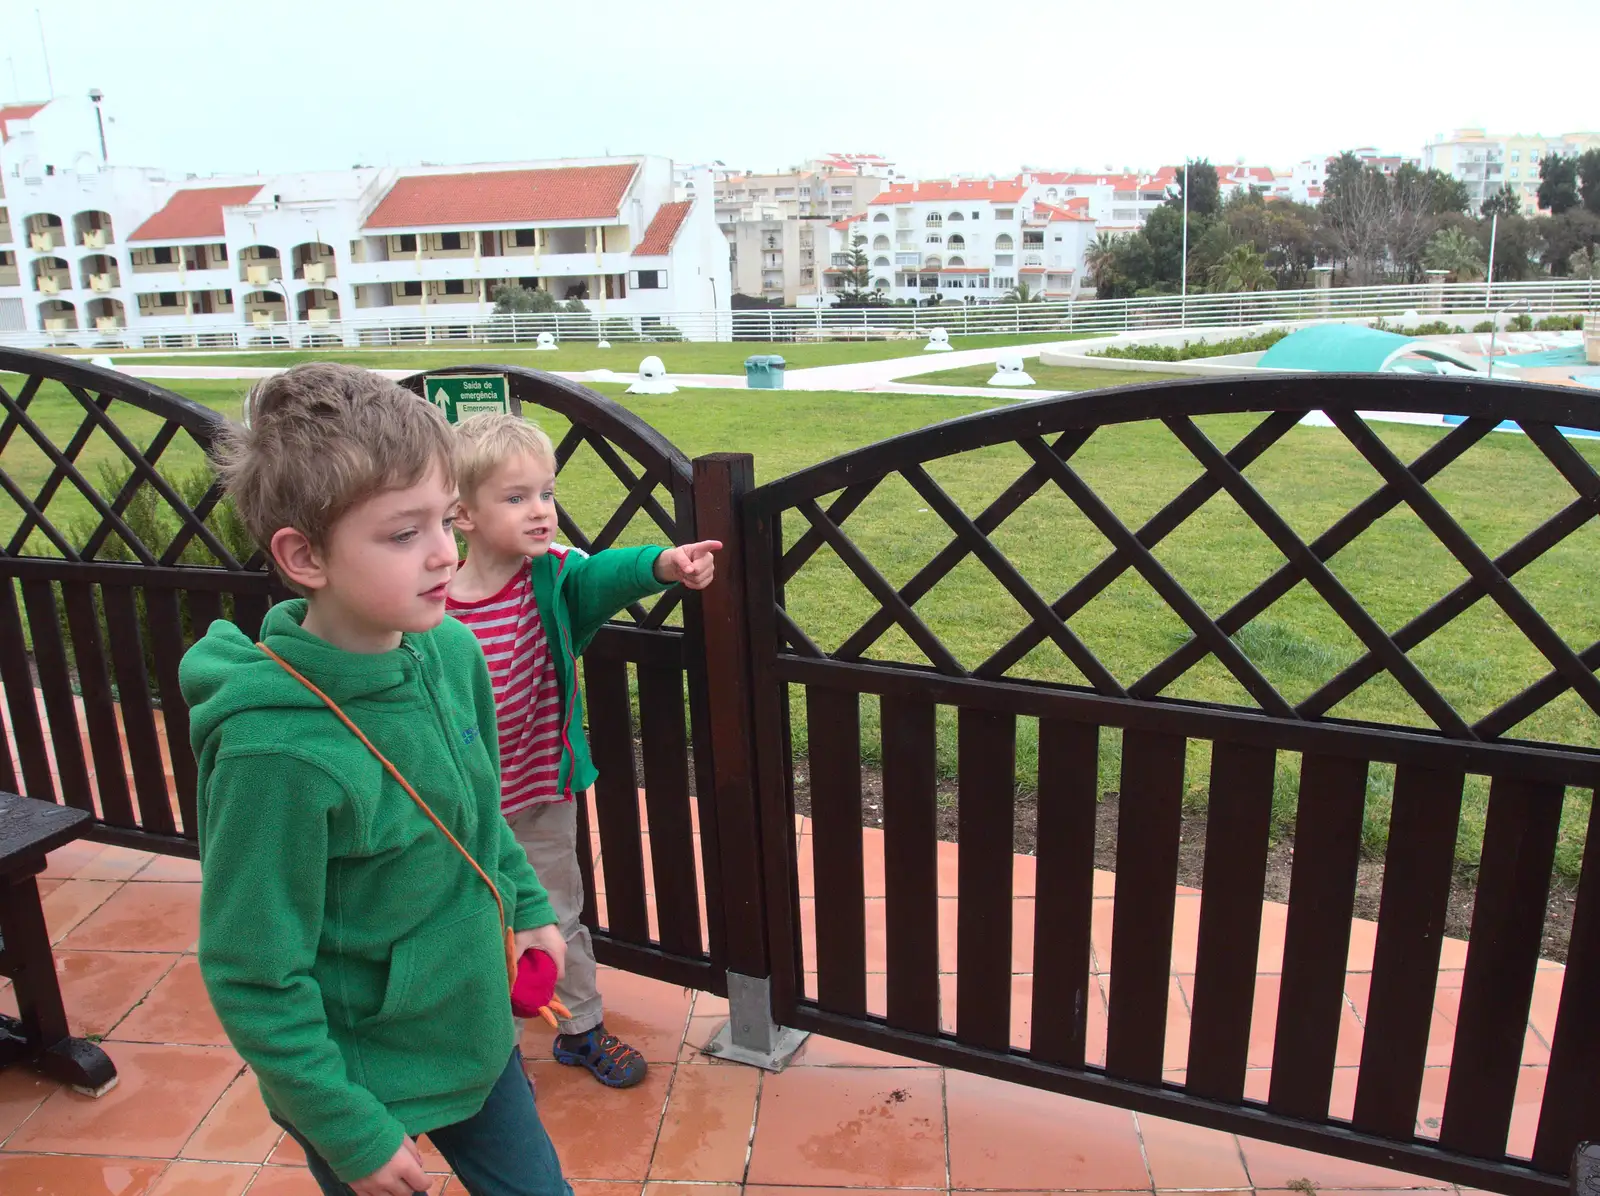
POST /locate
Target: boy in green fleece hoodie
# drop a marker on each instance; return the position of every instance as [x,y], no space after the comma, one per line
[355,954]
[534,607]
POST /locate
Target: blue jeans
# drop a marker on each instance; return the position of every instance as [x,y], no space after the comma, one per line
[501,1151]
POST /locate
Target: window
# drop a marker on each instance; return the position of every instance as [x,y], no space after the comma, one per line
[449,241]
[1004,259]
[411,289]
[880,242]
[1124,215]
[1516,155]
[1005,213]
[934,239]
[220,253]
[525,238]
[880,262]
[167,299]
[1515,172]
[648,280]
[528,284]
[957,241]
[455,286]
[1003,241]
[977,215]
[408,243]
[881,217]
[1004,282]
[982,282]
[934,220]
[163,257]
[805,192]
[954,216]
[843,191]
[957,261]
[955,281]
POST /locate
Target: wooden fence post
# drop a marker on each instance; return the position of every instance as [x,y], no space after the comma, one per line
[752,1036]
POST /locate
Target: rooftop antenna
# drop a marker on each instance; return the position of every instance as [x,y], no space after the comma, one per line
[45,50]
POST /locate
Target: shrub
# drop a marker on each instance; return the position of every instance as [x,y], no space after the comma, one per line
[1560,324]
[1193,349]
[153,522]
[1486,326]
[1522,323]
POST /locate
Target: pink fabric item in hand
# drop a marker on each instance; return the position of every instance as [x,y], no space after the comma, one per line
[534,993]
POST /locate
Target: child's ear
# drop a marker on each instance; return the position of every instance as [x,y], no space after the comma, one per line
[298,559]
[463,519]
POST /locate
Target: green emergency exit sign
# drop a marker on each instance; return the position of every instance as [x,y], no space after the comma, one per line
[463,395]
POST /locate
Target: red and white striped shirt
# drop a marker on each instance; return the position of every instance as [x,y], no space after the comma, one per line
[527,698]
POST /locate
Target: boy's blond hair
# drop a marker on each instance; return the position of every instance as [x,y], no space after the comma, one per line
[319,439]
[485,442]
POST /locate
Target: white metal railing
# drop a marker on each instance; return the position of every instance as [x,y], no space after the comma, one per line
[1461,305]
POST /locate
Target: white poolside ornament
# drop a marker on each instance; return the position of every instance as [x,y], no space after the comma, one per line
[546,342]
[938,341]
[102,361]
[652,379]
[1008,371]
[602,344]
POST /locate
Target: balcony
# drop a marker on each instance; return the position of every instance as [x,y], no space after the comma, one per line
[908,259]
[94,238]
[100,282]
[316,272]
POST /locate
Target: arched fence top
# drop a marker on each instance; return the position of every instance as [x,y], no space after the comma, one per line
[1556,406]
[587,409]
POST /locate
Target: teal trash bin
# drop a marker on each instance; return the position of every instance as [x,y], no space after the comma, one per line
[764,372]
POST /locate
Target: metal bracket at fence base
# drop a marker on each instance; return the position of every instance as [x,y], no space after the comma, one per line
[750,1035]
[1586,1169]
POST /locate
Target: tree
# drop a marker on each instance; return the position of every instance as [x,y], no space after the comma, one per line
[1504,202]
[1100,256]
[1205,195]
[1565,235]
[1558,183]
[1454,250]
[510,299]
[855,279]
[1241,269]
[1517,248]
[1589,179]
[1022,294]
[1584,263]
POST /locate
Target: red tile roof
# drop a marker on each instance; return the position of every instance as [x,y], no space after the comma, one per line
[1161,179]
[935,190]
[195,212]
[16,112]
[844,225]
[663,229]
[504,196]
[1052,212]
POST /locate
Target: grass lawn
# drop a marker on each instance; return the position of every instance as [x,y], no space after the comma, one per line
[680,357]
[1498,491]
[1049,377]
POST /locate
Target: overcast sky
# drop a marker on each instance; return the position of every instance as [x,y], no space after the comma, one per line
[936,86]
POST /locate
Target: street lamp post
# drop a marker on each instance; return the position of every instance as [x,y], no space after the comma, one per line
[1183,269]
[288,304]
[1494,328]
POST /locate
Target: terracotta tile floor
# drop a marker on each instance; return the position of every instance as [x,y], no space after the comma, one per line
[186,1119]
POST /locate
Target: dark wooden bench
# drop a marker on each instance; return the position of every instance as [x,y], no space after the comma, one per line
[28,830]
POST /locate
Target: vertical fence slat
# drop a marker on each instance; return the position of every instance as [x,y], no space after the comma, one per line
[1149,816]
[1519,845]
[986,767]
[205,608]
[1063,908]
[166,638]
[248,611]
[55,682]
[589,915]
[1405,968]
[833,730]
[100,712]
[616,797]
[911,864]
[1571,1110]
[1322,889]
[666,794]
[138,719]
[1238,822]
[26,727]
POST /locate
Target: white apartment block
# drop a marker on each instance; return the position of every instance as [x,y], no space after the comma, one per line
[968,241]
[1119,203]
[92,252]
[1486,162]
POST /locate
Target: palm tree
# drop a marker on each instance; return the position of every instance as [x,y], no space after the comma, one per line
[1100,256]
[1241,269]
[1454,251]
[1022,294]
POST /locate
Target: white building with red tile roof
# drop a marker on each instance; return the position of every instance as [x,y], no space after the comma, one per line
[1116,202]
[966,240]
[89,248]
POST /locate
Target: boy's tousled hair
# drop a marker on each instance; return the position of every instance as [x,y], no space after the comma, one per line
[485,442]
[320,438]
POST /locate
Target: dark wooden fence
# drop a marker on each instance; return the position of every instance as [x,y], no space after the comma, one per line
[96,641]
[1527,779]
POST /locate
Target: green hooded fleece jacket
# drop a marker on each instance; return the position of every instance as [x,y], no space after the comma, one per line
[354,957]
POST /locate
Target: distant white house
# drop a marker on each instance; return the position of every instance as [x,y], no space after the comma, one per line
[89,247]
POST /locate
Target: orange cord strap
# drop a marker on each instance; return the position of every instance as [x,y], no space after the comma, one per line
[510,937]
